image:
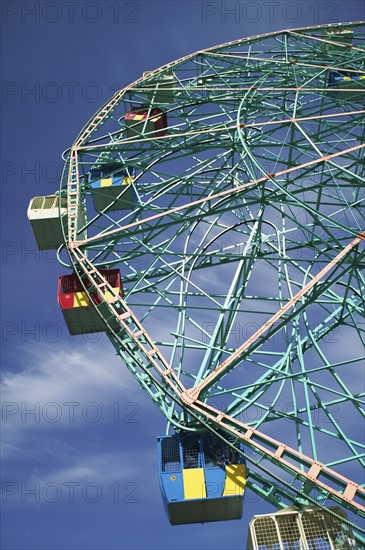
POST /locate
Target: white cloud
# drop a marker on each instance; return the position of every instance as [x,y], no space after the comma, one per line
[62,385]
[104,468]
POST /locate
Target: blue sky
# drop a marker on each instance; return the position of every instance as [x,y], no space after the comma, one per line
[80,471]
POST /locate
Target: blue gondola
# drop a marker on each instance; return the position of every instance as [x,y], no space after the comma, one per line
[201,479]
[351,84]
[112,188]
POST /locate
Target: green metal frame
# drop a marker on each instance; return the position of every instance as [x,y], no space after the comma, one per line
[256,186]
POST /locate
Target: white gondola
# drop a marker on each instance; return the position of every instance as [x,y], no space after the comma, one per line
[296,529]
[45,215]
[161,88]
[336,38]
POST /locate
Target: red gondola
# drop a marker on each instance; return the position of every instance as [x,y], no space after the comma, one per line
[146,122]
[78,310]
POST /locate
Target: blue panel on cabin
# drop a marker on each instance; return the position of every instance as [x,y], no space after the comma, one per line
[169,464]
[172,487]
[112,190]
[346,85]
[214,481]
[115,180]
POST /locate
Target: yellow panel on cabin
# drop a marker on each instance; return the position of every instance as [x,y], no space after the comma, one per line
[106,182]
[108,295]
[194,483]
[81,299]
[127,180]
[235,480]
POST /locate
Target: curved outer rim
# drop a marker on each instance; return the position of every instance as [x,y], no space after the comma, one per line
[189,398]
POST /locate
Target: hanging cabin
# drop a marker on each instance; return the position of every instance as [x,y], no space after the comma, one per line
[160,87]
[144,121]
[78,306]
[201,479]
[111,188]
[337,38]
[47,215]
[307,528]
[350,84]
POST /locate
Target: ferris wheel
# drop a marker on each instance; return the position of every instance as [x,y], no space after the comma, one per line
[212,215]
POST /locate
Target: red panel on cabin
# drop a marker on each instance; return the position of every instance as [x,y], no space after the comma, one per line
[66,301]
[156,116]
[68,285]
